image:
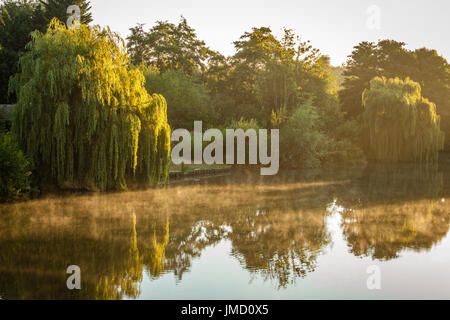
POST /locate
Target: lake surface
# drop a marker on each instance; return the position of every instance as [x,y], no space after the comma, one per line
[300,235]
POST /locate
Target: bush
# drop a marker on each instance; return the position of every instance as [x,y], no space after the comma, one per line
[343,148]
[243,124]
[14,171]
[302,144]
[305,142]
[2,122]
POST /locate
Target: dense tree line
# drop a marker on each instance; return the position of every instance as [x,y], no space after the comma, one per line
[271,82]
[266,82]
[286,83]
[390,59]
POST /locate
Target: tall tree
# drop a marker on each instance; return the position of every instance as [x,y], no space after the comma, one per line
[361,68]
[168,46]
[18,18]
[271,77]
[432,71]
[216,78]
[391,59]
[58,9]
[83,116]
[253,52]
[399,124]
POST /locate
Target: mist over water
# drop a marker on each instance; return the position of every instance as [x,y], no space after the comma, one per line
[293,236]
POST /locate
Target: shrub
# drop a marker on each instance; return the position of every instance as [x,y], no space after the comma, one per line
[302,144]
[14,170]
[343,146]
[2,121]
[243,124]
[306,143]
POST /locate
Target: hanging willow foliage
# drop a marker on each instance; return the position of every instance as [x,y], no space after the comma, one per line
[83,116]
[399,124]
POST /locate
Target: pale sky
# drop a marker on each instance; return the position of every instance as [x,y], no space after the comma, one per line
[333,26]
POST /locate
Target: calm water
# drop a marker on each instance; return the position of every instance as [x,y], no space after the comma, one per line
[294,236]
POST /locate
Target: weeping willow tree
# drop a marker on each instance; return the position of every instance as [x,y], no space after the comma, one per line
[399,124]
[83,116]
[157,252]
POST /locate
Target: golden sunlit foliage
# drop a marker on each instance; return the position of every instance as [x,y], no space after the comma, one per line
[385,230]
[83,116]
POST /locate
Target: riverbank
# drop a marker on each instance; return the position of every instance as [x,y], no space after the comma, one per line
[188,171]
[198,172]
[194,173]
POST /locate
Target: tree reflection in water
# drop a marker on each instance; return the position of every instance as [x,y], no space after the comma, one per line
[402,209]
[277,228]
